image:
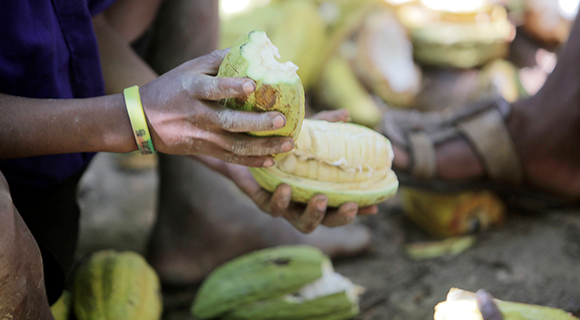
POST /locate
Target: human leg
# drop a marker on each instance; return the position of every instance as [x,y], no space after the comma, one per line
[204,221]
[22,291]
[52,216]
[543,130]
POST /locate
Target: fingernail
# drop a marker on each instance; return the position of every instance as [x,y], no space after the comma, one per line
[248,87]
[268,163]
[279,121]
[282,202]
[351,209]
[287,146]
[321,205]
[352,212]
[284,198]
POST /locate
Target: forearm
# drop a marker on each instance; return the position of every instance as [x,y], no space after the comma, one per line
[122,67]
[131,18]
[32,127]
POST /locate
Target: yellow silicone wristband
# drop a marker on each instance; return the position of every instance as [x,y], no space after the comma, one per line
[137,118]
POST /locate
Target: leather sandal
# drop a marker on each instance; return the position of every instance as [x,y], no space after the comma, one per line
[483,125]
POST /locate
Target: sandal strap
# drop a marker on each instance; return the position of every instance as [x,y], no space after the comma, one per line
[487,133]
[483,125]
[424,157]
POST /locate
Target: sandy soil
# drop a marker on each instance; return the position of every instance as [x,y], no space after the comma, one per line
[532,258]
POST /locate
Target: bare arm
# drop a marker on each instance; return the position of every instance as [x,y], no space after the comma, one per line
[130,18]
[182,115]
[31,127]
[122,67]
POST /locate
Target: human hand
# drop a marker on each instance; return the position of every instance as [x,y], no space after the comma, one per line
[487,307]
[304,217]
[185,118]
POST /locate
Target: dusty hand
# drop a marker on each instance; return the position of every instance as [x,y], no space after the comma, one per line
[184,117]
[487,307]
[304,217]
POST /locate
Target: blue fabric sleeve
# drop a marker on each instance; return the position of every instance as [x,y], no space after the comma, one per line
[98,6]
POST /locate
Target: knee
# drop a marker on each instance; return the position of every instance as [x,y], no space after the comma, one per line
[7,213]
[17,245]
[21,280]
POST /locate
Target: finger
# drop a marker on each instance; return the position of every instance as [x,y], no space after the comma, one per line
[245,145]
[205,87]
[246,121]
[248,161]
[487,307]
[367,211]
[313,214]
[280,200]
[341,115]
[346,214]
[208,64]
[246,182]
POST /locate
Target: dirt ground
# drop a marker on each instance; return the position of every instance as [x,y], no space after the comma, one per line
[532,258]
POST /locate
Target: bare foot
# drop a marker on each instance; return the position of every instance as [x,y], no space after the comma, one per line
[204,221]
[544,129]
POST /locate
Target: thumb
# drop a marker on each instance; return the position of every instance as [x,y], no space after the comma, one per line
[487,307]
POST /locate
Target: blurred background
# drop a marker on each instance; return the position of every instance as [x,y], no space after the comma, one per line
[368,56]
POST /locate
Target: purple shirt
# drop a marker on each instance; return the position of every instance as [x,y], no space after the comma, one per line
[48,49]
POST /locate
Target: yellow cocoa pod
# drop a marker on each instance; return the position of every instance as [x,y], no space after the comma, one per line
[347,162]
[61,308]
[301,37]
[436,249]
[501,77]
[278,87]
[462,305]
[384,59]
[115,285]
[239,25]
[339,88]
[445,215]
[464,39]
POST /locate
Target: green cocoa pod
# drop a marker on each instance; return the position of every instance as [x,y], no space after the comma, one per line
[61,308]
[113,285]
[338,306]
[278,87]
[286,282]
[344,161]
[462,305]
[296,27]
[339,88]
